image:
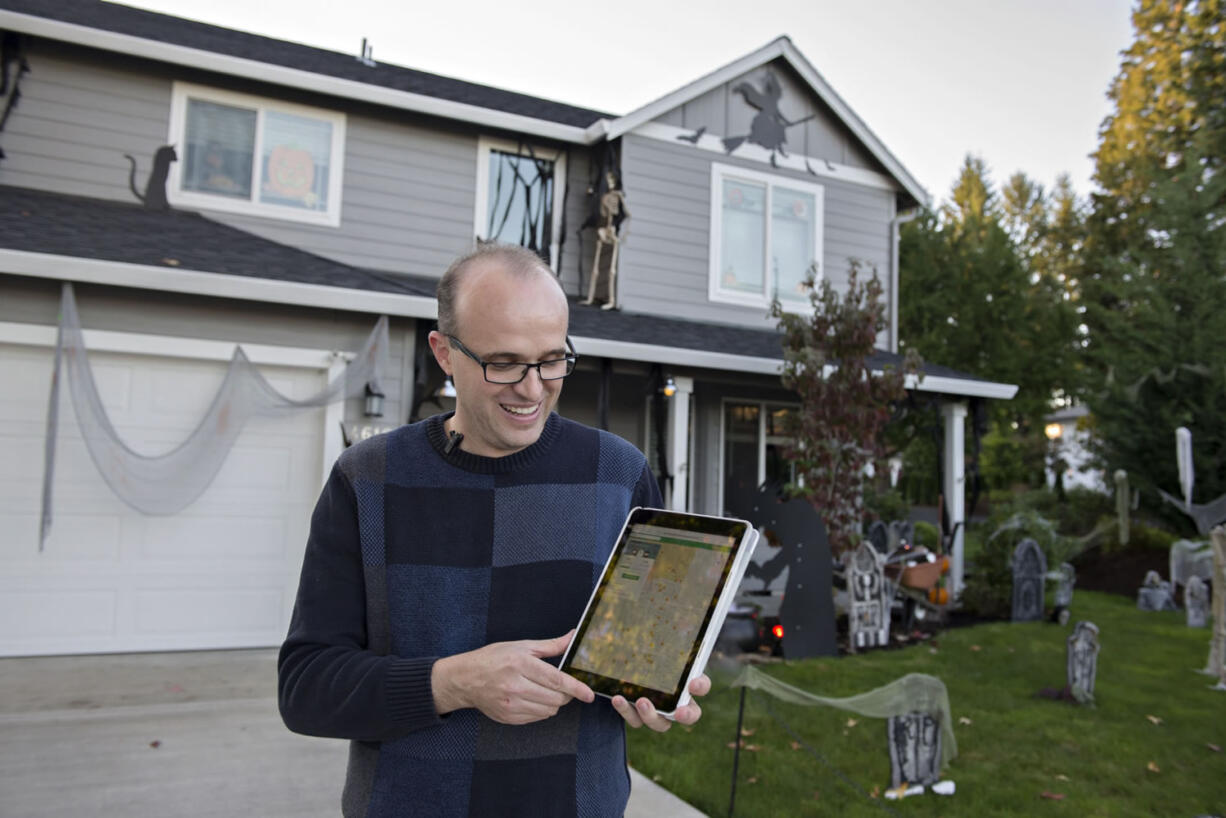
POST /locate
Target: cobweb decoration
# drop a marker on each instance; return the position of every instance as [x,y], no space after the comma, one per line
[168,483]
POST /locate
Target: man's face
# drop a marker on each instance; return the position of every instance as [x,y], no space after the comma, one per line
[502,317]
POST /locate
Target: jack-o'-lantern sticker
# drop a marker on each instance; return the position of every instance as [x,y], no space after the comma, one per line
[291,172]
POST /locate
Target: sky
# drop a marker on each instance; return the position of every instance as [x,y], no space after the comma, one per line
[1020,83]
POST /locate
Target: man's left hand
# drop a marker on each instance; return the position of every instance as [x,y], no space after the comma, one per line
[643,712]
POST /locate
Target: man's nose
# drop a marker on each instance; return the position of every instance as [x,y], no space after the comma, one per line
[533,385]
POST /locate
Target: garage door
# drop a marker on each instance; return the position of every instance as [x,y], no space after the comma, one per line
[220,574]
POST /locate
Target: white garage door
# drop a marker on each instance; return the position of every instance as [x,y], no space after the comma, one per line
[222,573]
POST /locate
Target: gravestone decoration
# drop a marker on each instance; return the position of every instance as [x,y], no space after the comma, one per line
[1029,572]
[796,530]
[901,533]
[1083,661]
[915,749]
[879,536]
[1155,594]
[868,615]
[1196,603]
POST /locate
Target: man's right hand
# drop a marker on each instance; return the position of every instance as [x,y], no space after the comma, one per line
[508,681]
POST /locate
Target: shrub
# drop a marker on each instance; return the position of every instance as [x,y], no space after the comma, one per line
[927,535]
[989,587]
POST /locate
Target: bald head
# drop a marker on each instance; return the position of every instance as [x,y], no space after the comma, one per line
[510,259]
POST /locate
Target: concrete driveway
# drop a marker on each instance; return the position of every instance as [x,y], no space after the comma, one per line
[185,734]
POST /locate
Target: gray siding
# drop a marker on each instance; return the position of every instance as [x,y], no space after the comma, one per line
[665,259]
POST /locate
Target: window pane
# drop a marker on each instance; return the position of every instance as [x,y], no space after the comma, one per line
[778,468]
[792,237]
[520,201]
[220,144]
[740,449]
[295,165]
[743,243]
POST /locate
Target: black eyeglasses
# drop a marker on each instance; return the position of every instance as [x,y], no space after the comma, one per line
[505,372]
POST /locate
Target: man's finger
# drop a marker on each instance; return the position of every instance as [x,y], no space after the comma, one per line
[627,711]
[689,714]
[550,647]
[648,715]
[701,685]
[549,677]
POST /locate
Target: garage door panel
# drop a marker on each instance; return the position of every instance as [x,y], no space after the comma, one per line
[190,536]
[205,611]
[74,538]
[28,615]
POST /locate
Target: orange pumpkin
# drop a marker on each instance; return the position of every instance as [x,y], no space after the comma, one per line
[938,596]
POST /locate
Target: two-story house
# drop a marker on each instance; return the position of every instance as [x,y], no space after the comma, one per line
[307,194]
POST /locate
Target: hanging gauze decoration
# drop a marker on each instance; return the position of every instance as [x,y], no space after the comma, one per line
[1183,457]
[168,483]
[1122,500]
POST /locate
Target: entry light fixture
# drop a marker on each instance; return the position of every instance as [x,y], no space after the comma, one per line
[670,387]
[374,402]
[447,390]
[1053,431]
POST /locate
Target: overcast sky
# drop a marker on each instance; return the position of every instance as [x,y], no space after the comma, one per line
[1021,83]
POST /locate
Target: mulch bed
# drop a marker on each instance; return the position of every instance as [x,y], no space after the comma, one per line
[1119,572]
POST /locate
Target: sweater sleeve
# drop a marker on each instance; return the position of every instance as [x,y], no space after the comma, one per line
[647,490]
[329,682]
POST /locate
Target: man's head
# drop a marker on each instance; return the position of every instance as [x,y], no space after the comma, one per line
[503,304]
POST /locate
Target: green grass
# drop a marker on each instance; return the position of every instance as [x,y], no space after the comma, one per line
[1016,747]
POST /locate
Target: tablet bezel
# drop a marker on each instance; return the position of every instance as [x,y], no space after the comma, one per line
[665,702]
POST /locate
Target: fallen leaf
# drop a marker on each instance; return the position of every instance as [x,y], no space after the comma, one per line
[852,722]
[964,720]
[844,732]
[732,744]
[1011,650]
[876,792]
[155,744]
[796,745]
[1062,777]
[1054,796]
[687,728]
[932,650]
[1152,767]
[817,795]
[1213,747]
[753,748]
[749,731]
[753,779]
[1153,719]
[655,778]
[976,648]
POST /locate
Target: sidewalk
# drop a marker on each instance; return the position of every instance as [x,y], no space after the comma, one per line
[185,734]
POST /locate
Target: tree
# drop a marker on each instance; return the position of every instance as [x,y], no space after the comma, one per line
[844,404]
[1152,281]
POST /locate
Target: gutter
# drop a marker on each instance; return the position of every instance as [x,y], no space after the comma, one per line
[895,224]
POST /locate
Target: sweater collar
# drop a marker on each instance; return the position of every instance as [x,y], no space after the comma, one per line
[437,435]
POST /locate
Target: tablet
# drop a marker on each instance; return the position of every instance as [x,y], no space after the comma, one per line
[655,613]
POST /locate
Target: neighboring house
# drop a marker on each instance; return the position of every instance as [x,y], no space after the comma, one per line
[313,192]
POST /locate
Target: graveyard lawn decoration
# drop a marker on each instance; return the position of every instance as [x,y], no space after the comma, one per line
[1217,642]
[1196,603]
[609,236]
[1155,594]
[795,528]
[1123,498]
[879,537]
[1065,577]
[1083,662]
[915,749]
[1190,558]
[154,197]
[1029,572]
[868,616]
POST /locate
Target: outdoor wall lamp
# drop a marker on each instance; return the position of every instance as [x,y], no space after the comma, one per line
[1053,431]
[447,390]
[374,402]
[670,387]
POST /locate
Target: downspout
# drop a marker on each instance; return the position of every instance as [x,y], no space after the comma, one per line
[895,224]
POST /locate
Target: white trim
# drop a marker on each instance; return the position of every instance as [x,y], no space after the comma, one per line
[485,144]
[961,386]
[679,451]
[219,285]
[177,136]
[821,168]
[721,475]
[288,77]
[954,418]
[719,173]
[677,356]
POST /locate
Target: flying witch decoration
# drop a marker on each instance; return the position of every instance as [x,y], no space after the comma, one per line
[769,127]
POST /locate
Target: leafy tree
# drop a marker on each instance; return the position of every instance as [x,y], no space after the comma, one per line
[844,405]
[1152,280]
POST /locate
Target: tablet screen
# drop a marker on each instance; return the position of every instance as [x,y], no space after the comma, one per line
[645,622]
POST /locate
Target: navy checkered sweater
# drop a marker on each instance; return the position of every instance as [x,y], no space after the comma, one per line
[415,554]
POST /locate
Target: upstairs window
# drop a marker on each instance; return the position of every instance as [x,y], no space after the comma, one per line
[519,195]
[255,156]
[766,232]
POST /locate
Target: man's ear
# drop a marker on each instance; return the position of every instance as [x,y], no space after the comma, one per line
[441,350]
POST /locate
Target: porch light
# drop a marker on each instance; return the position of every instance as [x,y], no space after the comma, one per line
[447,390]
[670,387]
[1053,431]
[374,402]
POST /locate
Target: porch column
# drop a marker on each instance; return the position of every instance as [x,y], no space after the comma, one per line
[954,462]
[679,443]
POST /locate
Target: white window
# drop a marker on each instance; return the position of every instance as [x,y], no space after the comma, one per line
[519,195]
[245,154]
[766,232]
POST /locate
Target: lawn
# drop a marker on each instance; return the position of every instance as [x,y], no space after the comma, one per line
[1149,747]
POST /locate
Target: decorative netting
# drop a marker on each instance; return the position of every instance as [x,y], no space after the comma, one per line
[167,483]
[913,693]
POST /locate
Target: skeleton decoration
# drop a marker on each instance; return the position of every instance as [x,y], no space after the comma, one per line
[1083,661]
[613,213]
[1196,603]
[1155,594]
[1029,570]
[869,615]
[1217,642]
[915,749]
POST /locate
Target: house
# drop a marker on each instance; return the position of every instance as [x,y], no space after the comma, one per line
[310,193]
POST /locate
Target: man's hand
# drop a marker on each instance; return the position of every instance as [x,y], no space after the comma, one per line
[507,681]
[643,712]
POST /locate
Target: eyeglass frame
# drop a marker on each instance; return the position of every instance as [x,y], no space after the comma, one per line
[572,358]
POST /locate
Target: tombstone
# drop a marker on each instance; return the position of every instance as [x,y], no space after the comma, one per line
[915,749]
[1029,572]
[796,529]
[1083,660]
[901,533]
[1196,603]
[879,536]
[1155,594]
[868,617]
[1067,577]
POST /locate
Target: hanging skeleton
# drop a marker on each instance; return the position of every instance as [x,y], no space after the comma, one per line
[13,66]
[613,213]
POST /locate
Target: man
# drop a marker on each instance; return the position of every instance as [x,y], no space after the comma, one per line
[447,561]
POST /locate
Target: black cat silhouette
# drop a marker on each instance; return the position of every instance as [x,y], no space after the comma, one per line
[155,187]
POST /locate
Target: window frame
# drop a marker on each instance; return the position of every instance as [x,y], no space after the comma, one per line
[721,172]
[763,439]
[486,144]
[177,136]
